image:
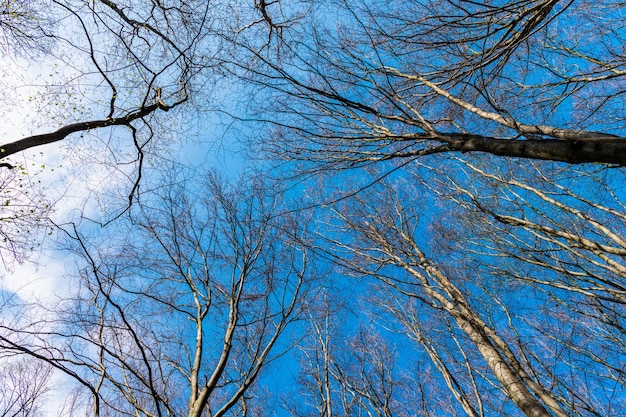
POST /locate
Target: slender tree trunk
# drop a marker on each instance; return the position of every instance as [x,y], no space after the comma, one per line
[511,381]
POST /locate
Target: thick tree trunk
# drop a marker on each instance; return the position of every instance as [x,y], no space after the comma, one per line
[609,151]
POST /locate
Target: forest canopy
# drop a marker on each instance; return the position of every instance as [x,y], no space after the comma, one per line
[313,208]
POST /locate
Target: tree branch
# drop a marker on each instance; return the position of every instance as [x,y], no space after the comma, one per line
[60,134]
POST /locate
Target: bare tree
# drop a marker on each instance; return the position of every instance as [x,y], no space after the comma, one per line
[112,64]
[538,79]
[106,78]
[24,215]
[560,243]
[181,316]
[22,28]
[500,276]
[506,278]
[477,325]
[23,385]
[346,373]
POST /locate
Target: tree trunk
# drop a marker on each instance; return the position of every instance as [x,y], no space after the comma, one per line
[610,151]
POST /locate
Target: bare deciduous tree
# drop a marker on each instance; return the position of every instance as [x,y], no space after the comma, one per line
[24,212]
[505,276]
[181,316]
[473,254]
[23,384]
[470,320]
[112,64]
[22,28]
[538,79]
[350,374]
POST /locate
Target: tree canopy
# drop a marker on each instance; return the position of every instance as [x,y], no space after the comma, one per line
[425,213]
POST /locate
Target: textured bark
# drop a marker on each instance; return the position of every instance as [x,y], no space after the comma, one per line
[609,151]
